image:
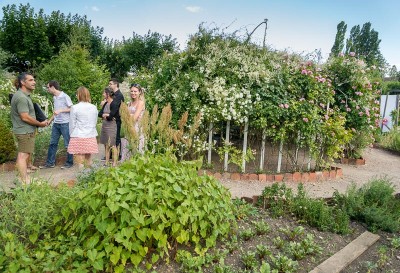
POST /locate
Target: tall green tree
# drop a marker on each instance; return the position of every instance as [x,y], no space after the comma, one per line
[364,42]
[136,52]
[23,33]
[338,46]
[74,67]
[34,38]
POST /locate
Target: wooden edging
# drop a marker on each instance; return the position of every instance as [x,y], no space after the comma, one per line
[347,255]
[334,173]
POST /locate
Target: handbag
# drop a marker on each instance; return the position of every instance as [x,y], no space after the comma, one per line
[40,116]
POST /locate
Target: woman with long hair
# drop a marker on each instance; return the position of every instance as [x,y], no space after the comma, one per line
[136,109]
[109,126]
[82,127]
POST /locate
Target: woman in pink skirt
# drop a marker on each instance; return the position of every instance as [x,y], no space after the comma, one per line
[82,128]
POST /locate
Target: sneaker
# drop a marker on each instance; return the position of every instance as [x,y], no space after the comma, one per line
[66,166]
[47,166]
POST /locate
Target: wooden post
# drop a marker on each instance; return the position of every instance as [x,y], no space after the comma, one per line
[228,126]
[278,170]
[262,150]
[246,129]
[210,140]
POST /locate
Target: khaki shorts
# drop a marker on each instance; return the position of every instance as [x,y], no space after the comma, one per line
[26,143]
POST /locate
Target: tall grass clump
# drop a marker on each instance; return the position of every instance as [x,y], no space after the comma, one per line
[373,204]
[280,200]
[391,140]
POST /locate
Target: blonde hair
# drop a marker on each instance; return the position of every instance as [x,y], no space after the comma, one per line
[83,94]
[141,91]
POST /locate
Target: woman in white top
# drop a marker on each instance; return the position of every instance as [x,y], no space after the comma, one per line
[82,128]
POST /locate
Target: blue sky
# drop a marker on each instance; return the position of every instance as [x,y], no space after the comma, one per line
[299,26]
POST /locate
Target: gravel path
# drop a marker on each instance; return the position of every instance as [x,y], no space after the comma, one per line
[379,163]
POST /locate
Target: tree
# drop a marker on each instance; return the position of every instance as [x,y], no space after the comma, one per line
[132,54]
[393,73]
[34,38]
[72,68]
[23,33]
[339,39]
[364,42]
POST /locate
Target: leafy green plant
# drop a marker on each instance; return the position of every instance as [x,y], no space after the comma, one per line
[236,156]
[293,234]
[383,256]
[7,144]
[391,140]
[263,251]
[278,242]
[261,227]
[29,212]
[232,244]
[395,242]
[284,264]
[249,260]
[266,268]
[242,209]
[190,263]
[247,234]
[297,250]
[309,245]
[373,204]
[280,200]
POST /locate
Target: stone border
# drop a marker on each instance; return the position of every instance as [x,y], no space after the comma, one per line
[334,173]
[352,161]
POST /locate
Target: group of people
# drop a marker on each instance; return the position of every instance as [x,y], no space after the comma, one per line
[75,123]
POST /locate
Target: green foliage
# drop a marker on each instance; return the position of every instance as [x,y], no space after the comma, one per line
[374,204]
[135,53]
[149,202]
[42,142]
[284,263]
[73,68]
[34,37]
[391,140]
[7,144]
[357,99]
[364,42]
[236,156]
[263,251]
[249,260]
[242,209]
[280,200]
[190,263]
[28,212]
[339,39]
[261,227]
[247,234]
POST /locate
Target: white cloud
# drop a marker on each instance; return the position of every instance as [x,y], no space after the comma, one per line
[193,9]
[94,8]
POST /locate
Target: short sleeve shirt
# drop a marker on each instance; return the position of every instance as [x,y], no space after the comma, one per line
[21,102]
[62,101]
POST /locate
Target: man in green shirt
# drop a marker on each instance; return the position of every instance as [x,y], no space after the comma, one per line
[24,122]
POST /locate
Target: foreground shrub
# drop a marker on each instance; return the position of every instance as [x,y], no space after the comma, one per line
[139,211]
[7,144]
[28,212]
[280,200]
[145,207]
[374,204]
